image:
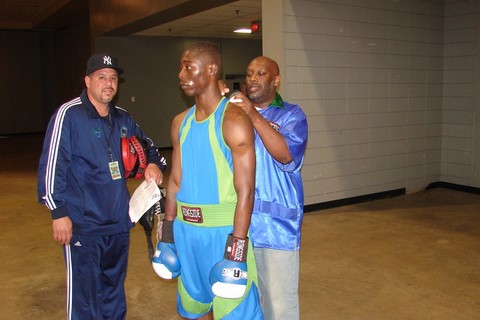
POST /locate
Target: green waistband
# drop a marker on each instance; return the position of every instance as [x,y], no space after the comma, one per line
[214,215]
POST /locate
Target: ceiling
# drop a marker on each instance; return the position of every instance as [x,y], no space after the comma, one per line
[216,23]
[23,14]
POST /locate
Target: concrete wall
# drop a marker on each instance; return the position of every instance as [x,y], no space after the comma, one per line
[461,96]
[369,76]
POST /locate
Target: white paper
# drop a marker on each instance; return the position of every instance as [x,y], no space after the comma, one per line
[144,197]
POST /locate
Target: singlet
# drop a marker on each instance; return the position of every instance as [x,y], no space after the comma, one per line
[206,160]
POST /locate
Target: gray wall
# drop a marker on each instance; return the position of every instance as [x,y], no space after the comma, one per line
[461,94]
[151,67]
[390,88]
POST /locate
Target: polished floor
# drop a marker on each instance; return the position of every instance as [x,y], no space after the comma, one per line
[414,257]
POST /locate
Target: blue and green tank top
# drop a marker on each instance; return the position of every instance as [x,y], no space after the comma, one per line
[206,160]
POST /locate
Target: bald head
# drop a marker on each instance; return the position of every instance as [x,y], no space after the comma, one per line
[263,78]
[267,63]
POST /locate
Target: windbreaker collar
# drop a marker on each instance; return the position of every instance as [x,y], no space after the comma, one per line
[277,101]
[91,108]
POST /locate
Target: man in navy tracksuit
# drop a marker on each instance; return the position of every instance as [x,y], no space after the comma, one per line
[81,179]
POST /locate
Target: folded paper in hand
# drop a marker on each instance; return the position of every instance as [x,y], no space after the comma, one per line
[144,197]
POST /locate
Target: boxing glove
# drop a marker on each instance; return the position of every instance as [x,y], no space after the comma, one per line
[165,260]
[229,276]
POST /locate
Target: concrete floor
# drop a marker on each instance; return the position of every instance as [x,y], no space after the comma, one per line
[412,257]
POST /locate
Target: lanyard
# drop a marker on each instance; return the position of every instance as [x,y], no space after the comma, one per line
[107,139]
[113,165]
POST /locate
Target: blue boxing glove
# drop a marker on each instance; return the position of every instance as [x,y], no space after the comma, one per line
[165,260]
[229,276]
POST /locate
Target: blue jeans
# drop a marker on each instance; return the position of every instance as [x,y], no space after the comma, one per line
[278,276]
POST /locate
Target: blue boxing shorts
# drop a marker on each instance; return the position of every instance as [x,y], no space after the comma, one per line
[200,245]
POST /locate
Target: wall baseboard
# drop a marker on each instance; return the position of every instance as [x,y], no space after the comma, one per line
[384,195]
[353,200]
[453,186]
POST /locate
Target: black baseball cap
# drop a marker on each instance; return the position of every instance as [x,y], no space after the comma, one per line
[102,60]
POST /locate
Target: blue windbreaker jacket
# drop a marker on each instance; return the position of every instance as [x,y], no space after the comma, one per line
[278,208]
[74,176]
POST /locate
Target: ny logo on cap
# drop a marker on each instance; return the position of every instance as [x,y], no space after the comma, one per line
[107,60]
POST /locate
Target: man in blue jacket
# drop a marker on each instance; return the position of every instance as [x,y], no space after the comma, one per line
[82,180]
[281,132]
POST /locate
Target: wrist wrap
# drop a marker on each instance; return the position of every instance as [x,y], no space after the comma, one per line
[236,249]
[165,231]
